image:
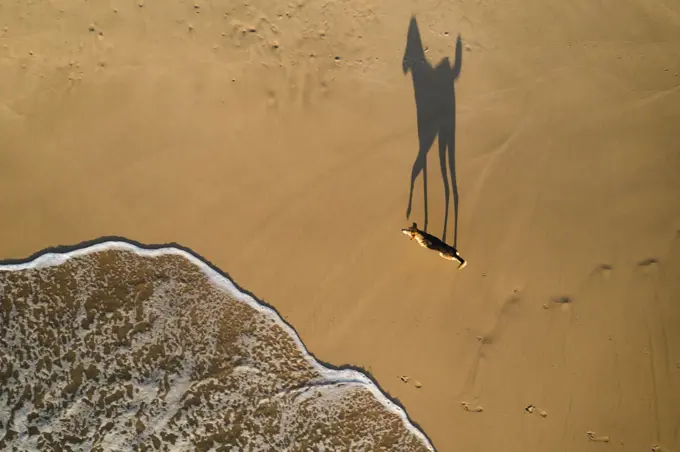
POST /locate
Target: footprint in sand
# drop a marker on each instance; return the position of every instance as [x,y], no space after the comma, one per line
[648,265]
[406,379]
[562,302]
[472,409]
[531,409]
[593,437]
[602,271]
[509,311]
[605,270]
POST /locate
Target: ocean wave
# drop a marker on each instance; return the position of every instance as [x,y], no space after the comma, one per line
[115,346]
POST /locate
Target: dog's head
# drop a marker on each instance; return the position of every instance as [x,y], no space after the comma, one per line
[411,231]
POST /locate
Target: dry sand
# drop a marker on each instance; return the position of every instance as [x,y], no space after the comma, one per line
[277,139]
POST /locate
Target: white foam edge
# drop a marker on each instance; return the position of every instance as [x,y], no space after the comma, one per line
[348,376]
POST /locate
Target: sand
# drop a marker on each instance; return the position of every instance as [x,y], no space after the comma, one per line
[278,140]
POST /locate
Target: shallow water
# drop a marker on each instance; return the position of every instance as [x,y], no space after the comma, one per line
[115,347]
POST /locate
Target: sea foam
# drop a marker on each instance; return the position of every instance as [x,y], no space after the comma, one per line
[115,346]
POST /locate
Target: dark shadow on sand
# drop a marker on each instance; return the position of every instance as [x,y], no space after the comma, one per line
[63,249]
[436,115]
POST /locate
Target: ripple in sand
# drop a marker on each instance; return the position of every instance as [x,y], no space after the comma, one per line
[117,347]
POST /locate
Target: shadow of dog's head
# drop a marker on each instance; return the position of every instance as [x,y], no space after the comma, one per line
[414,52]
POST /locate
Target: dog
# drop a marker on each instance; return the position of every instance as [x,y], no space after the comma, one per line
[431,242]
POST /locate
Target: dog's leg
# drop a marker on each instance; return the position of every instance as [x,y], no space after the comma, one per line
[461,262]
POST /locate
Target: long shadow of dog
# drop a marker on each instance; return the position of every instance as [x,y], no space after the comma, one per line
[436,114]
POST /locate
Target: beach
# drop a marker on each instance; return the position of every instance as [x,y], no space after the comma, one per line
[279,140]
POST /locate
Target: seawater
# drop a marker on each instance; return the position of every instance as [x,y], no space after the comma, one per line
[119,347]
